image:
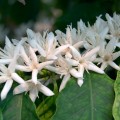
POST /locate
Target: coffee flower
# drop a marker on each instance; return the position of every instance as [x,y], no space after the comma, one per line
[107,55]
[33,89]
[63,68]
[31,63]
[85,62]
[7,76]
[46,45]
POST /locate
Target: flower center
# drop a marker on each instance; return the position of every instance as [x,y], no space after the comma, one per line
[81,61]
[107,58]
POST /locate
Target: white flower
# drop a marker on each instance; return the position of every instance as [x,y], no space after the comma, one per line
[94,35]
[114,25]
[84,62]
[7,53]
[107,55]
[62,67]
[31,63]
[46,44]
[33,89]
[10,51]
[81,26]
[7,75]
[71,38]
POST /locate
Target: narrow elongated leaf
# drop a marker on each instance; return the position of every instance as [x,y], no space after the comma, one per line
[92,101]
[19,107]
[116,106]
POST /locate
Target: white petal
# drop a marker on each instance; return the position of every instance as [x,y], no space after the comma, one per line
[11,66]
[81,70]
[18,47]
[21,88]
[34,75]
[23,68]
[30,34]
[110,24]
[6,89]
[8,43]
[24,56]
[94,68]
[91,52]
[80,81]
[42,65]
[104,33]
[98,60]
[41,50]
[111,46]
[33,55]
[72,62]
[51,57]
[118,44]
[82,26]
[116,55]
[64,82]
[3,68]
[17,78]
[51,68]
[60,49]
[74,73]
[33,94]
[78,44]
[75,53]
[68,34]
[50,40]
[46,91]
[112,64]
[3,79]
[68,55]
[102,49]
[104,65]
[5,61]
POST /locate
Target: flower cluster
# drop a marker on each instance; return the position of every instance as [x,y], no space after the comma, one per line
[67,54]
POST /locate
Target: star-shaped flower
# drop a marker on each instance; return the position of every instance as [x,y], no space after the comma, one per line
[107,55]
[114,26]
[85,62]
[7,75]
[46,45]
[33,89]
[63,68]
[10,51]
[31,63]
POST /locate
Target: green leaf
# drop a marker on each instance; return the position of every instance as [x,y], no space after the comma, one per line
[1,117]
[19,107]
[47,108]
[92,101]
[116,105]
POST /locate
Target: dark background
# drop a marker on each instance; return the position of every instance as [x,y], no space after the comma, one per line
[40,15]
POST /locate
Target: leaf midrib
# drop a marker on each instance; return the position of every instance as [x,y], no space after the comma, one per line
[20,108]
[91,98]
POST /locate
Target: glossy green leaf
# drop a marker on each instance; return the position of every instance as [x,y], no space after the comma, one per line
[116,106]
[47,108]
[19,107]
[1,117]
[92,101]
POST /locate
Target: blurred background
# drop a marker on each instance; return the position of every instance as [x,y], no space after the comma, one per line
[40,15]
